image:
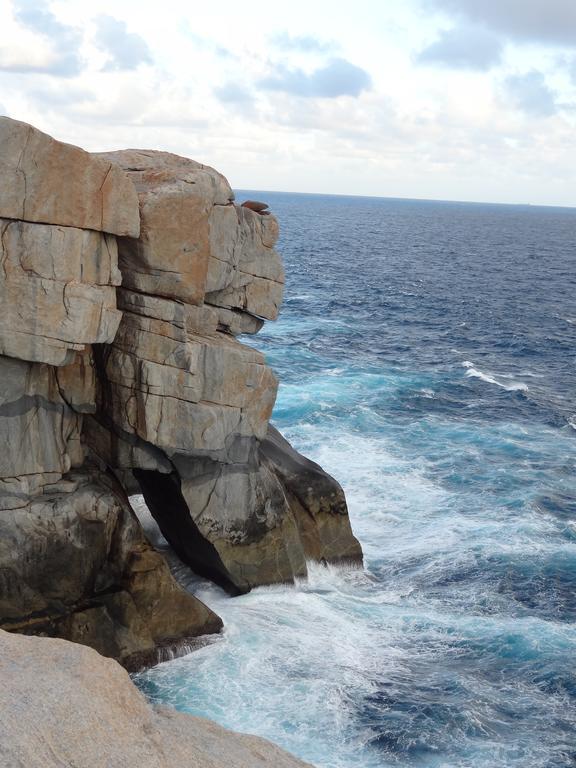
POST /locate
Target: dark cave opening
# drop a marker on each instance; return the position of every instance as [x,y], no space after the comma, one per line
[163,496]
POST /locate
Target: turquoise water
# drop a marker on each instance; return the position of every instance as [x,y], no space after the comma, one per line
[427,355]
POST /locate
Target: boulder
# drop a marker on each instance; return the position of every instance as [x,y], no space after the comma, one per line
[254,205]
[195,245]
[65,705]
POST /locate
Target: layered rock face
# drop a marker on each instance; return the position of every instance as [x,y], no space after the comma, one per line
[73,559]
[123,292]
[64,705]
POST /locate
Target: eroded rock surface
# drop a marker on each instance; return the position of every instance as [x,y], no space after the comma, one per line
[75,564]
[64,705]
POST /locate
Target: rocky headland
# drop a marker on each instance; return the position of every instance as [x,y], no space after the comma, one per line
[125,280]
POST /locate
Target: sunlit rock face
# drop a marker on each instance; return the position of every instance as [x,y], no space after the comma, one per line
[123,293]
[47,181]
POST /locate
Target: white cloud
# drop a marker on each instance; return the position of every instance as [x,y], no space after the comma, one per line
[317,99]
[126,50]
[61,55]
[530,93]
[463,47]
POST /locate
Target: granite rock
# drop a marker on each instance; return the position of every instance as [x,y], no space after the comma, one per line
[75,564]
[316,500]
[58,290]
[65,705]
[47,181]
[109,389]
[177,196]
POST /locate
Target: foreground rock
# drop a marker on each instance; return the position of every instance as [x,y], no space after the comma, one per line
[64,705]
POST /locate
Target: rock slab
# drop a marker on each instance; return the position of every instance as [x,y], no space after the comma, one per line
[62,704]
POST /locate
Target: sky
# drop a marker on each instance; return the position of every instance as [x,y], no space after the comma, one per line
[439,99]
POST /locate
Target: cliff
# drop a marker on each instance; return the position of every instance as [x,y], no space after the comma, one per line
[64,705]
[125,280]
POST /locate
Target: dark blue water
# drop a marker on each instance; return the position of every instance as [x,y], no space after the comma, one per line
[427,354]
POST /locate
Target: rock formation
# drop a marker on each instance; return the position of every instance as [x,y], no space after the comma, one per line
[126,278]
[64,705]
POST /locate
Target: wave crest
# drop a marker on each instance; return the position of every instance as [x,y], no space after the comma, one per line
[509,386]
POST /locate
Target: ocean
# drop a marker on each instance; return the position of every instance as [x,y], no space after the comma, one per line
[427,357]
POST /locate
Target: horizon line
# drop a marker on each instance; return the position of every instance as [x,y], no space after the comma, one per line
[407,199]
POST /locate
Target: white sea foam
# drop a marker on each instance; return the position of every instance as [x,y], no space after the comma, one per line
[510,386]
[318,666]
[572,421]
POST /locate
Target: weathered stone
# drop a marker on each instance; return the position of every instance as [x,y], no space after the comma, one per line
[166,397]
[229,522]
[64,705]
[77,382]
[242,510]
[115,448]
[255,295]
[235,322]
[194,242]
[316,500]
[45,180]
[254,205]
[75,564]
[40,432]
[191,319]
[185,392]
[176,198]
[264,517]
[16,492]
[58,292]
[245,273]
